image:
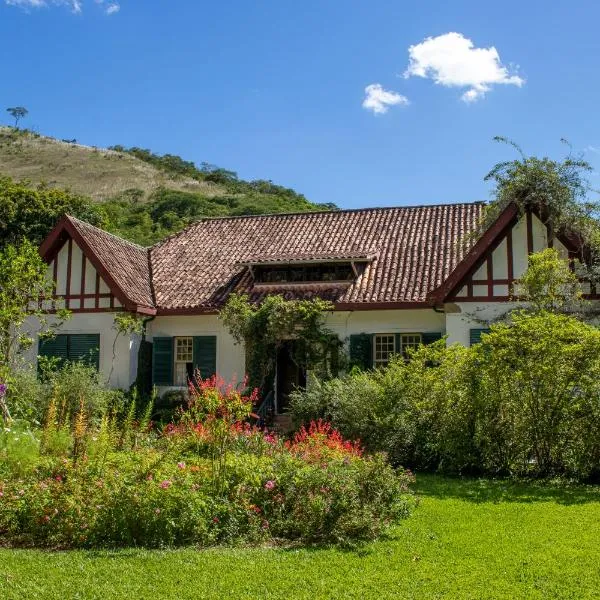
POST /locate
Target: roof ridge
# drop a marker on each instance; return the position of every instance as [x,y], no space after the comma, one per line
[103,231]
[309,212]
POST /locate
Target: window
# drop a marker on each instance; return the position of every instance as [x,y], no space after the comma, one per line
[184,360]
[82,347]
[409,341]
[475,335]
[304,273]
[387,344]
[384,347]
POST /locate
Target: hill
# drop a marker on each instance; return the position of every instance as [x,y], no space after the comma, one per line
[141,195]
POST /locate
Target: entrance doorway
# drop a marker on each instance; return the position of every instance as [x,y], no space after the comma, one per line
[290,376]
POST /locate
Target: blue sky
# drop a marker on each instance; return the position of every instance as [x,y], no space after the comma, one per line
[275,89]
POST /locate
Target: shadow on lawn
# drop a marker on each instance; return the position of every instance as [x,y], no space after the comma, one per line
[503,490]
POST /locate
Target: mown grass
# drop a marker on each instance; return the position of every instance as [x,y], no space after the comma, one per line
[467,539]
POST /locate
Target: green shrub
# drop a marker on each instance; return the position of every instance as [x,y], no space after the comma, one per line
[19,450]
[26,397]
[525,401]
[77,383]
[540,378]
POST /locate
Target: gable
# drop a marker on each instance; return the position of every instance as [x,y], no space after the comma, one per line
[97,271]
[493,276]
[77,282]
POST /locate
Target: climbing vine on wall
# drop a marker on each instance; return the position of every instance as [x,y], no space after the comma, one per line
[263,328]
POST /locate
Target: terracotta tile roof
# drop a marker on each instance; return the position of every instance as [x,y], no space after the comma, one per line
[413,250]
[127,263]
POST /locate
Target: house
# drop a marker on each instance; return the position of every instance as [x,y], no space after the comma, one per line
[398,277]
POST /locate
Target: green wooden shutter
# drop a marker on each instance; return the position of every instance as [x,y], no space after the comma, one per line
[162,361]
[56,347]
[85,348]
[398,343]
[205,355]
[361,350]
[475,335]
[430,337]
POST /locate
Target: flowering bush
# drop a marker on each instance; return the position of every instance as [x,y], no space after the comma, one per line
[320,442]
[208,479]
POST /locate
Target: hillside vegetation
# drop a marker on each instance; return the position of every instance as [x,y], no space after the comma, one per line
[138,194]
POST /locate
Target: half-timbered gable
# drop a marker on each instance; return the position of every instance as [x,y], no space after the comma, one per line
[78,284]
[490,272]
[95,271]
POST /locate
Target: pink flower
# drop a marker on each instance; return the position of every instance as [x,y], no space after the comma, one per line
[215,519]
[165,484]
[181,465]
[58,478]
[270,485]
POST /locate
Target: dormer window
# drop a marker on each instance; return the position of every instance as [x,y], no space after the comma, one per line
[316,273]
[336,269]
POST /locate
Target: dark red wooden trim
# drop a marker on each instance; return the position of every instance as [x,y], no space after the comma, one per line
[342,306]
[97,295]
[91,310]
[488,281]
[505,219]
[112,301]
[55,272]
[81,296]
[83,261]
[69,266]
[490,274]
[529,219]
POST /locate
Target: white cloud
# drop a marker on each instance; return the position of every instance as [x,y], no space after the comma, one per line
[452,60]
[76,6]
[379,100]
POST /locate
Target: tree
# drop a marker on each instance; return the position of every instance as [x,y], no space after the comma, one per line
[557,190]
[549,284]
[31,212]
[25,291]
[538,383]
[17,113]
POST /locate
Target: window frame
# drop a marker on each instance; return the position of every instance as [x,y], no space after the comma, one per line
[382,363]
[411,344]
[398,344]
[177,361]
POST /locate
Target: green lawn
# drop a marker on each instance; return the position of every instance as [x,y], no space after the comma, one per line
[467,539]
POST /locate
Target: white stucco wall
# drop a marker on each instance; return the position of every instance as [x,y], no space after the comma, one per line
[125,364]
[473,315]
[347,323]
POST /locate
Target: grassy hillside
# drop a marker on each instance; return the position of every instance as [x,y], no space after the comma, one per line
[100,174]
[141,195]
